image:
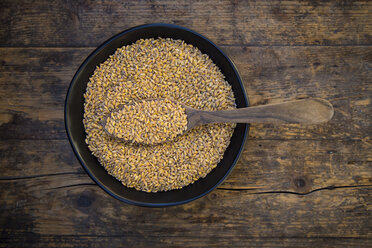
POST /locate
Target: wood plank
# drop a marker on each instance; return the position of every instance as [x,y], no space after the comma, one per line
[33,86]
[301,166]
[340,75]
[89,241]
[34,81]
[37,158]
[48,215]
[297,166]
[89,23]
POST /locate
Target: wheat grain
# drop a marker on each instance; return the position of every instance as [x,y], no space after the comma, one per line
[158,68]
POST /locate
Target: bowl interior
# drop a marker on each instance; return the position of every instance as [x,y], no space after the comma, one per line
[74,110]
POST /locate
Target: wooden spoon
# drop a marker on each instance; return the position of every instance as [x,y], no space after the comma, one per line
[306,111]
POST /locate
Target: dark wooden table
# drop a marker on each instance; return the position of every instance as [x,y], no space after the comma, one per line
[294,186]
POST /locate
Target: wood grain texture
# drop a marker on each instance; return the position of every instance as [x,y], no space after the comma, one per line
[86,211]
[294,185]
[34,82]
[89,23]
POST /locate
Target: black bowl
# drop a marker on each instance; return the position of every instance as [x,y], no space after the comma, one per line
[74,110]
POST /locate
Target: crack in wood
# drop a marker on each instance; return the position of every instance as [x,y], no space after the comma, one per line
[73,185]
[190,236]
[296,193]
[42,175]
[221,45]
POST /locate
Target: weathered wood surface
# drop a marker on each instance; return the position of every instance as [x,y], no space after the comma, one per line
[89,23]
[223,218]
[294,186]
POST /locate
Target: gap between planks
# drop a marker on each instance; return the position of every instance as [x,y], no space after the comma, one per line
[220,45]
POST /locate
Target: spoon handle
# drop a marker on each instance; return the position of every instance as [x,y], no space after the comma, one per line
[309,111]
